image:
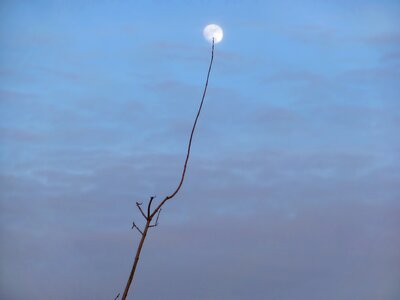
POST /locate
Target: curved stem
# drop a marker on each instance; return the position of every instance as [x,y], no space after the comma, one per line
[157,209]
[191,137]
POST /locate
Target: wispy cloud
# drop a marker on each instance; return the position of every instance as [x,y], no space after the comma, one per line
[293,183]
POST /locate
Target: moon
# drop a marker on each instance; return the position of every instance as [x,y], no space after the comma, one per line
[213,31]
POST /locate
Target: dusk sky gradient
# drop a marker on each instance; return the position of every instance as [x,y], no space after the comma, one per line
[293,185]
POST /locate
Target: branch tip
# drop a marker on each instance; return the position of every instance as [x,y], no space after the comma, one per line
[138,204]
[149,206]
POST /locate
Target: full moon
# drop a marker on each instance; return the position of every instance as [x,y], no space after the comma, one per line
[213,31]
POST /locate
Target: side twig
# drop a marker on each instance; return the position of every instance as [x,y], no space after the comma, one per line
[149,206]
[139,205]
[158,215]
[138,229]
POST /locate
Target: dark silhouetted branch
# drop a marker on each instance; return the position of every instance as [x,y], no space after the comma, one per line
[136,261]
[149,206]
[116,297]
[158,215]
[141,210]
[138,229]
[157,210]
[190,138]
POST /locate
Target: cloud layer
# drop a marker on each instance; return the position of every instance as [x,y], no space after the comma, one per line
[293,184]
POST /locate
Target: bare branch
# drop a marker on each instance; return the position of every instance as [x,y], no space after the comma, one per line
[158,215]
[157,210]
[116,297]
[135,226]
[149,206]
[136,261]
[141,210]
[190,138]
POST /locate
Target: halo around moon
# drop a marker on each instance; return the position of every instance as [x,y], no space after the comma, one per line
[213,31]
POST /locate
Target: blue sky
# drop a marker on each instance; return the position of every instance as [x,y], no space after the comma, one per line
[292,190]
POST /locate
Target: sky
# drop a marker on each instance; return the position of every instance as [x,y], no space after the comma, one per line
[293,185]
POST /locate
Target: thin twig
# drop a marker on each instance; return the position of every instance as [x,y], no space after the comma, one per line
[190,139]
[149,206]
[135,226]
[141,210]
[116,297]
[158,215]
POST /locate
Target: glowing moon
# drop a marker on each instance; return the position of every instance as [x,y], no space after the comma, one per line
[213,31]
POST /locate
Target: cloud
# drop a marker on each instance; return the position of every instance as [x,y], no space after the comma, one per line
[12,135]
[271,223]
[384,39]
[292,186]
[294,76]
[316,35]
